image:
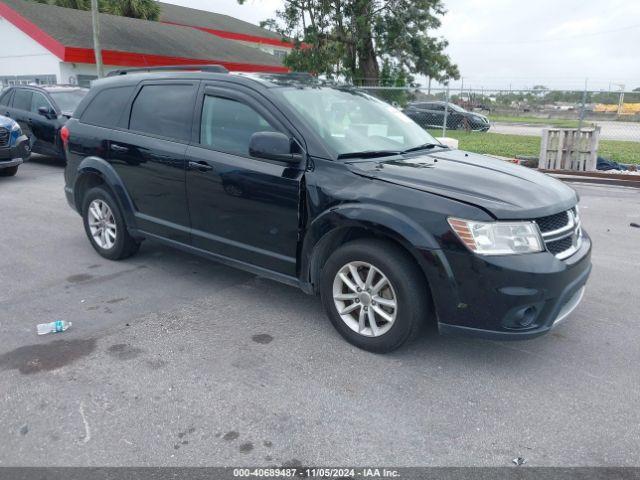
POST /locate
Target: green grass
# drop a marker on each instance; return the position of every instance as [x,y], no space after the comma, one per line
[512,145]
[552,122]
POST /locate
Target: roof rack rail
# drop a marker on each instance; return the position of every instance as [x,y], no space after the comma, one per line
[170,68]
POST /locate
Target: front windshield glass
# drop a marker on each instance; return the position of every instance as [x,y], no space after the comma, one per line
[351,121]
[68,100]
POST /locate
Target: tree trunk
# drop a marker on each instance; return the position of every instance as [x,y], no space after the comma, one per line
[369,70]
[369,64]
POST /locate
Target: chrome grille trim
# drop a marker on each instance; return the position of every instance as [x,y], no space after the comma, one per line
[572,229]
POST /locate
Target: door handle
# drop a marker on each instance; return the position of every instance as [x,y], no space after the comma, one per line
[118,148]
[200,166]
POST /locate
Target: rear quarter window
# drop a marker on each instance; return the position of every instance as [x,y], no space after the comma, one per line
[164,110]
[107,106]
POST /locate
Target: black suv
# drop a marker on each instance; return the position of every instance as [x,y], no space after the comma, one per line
[330,190]
[41,111]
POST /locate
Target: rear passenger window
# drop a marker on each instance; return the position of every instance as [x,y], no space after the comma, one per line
[22,100]
[107,106]
[228,125]
[164,110]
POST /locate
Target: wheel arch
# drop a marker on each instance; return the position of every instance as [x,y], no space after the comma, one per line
[95,171]
[349,222]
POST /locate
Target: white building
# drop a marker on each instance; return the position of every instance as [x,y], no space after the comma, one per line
[48,44]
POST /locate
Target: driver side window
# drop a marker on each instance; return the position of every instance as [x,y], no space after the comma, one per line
[228,125]
[38,100]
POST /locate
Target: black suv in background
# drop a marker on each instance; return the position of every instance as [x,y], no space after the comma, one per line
[330,190]
[432,115]
[41,111]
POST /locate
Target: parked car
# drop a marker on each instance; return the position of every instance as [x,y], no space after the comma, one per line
[431,115]
[41,111]
[330,190]
[14,147]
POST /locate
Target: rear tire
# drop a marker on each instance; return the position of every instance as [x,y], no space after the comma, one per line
[9,172]
[105,226]
[374,318]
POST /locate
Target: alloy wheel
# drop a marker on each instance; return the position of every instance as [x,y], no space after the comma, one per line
[102,224]
[365,299]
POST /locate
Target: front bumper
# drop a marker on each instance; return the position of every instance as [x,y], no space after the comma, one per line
[513,297]
[14,162]
[15,154]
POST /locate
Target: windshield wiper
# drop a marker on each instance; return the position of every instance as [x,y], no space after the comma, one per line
[370,154]
[426,146]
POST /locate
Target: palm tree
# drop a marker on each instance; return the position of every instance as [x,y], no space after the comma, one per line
[77,4]
[145,9]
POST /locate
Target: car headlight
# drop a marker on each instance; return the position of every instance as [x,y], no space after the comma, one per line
[498,238]
[15,128]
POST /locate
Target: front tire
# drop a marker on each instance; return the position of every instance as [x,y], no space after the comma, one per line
[9,172]
[374,294]
[105,226]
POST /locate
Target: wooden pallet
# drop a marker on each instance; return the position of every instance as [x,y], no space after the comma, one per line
[569,149]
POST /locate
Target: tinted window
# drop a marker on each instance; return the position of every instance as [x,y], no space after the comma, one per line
[107,106]
[228,125]
[22,100]
[6,98]
[38,100]
[67,101]
[164,110]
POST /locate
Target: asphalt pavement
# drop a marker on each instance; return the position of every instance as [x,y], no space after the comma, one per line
[176,361]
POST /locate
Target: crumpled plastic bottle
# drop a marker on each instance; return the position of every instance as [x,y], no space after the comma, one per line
[53,327]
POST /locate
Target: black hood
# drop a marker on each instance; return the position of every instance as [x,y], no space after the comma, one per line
[506,190]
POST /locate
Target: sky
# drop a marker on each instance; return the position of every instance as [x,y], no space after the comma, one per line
[519,44]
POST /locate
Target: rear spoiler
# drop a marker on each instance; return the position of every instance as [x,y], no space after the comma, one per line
[170,68]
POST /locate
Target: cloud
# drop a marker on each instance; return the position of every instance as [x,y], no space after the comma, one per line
[575,27]
[498,43]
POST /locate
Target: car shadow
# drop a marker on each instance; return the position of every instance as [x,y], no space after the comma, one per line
[429,348]
[46,160]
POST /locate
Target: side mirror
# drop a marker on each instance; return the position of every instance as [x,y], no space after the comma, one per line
[46,112]
[272,146]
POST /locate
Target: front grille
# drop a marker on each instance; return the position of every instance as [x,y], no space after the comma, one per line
[560,245]
[561,232]
[4,137]
[553,222]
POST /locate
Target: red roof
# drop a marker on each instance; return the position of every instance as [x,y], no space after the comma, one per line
[67,33]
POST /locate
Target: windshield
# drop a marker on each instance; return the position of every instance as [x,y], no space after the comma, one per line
[457,108]
[68,100]
[351,121]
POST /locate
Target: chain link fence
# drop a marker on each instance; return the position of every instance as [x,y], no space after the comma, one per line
[510,123]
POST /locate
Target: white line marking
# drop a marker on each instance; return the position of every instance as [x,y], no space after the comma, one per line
[87,430]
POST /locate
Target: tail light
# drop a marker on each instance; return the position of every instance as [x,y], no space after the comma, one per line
[64,135]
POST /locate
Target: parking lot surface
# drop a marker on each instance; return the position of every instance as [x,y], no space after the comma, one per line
[176,361]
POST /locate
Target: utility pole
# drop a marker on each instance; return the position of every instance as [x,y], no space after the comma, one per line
[584,104]
[621,101]
[96,38]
